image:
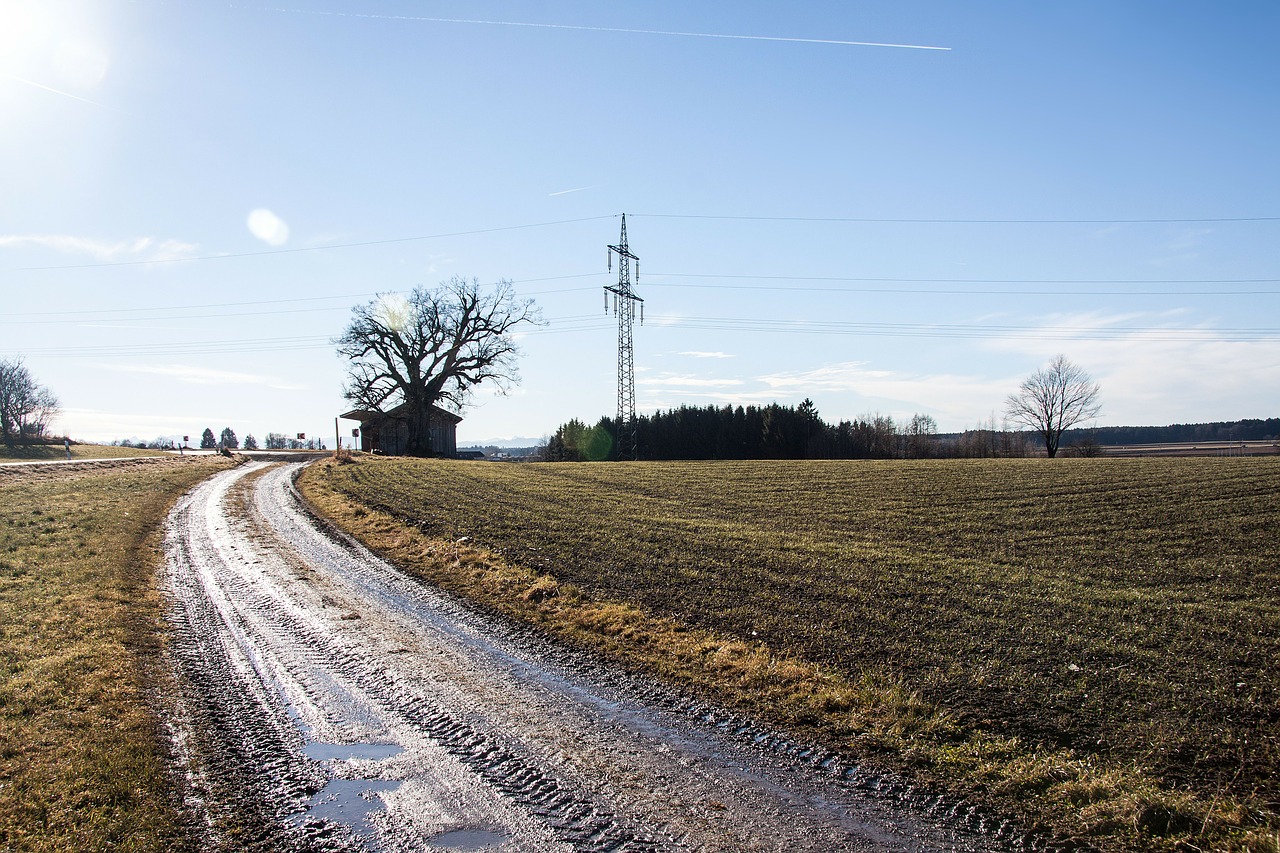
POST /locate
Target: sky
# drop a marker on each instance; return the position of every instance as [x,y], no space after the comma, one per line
[886,207]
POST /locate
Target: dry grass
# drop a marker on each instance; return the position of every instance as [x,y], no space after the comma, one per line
[1092,645]
[53,452]
[83,765]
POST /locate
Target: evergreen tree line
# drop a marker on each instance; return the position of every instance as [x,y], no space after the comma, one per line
[749,432]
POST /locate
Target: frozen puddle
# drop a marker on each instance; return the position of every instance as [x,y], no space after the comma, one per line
[350,802]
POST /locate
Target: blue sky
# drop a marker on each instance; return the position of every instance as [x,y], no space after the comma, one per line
[193,196]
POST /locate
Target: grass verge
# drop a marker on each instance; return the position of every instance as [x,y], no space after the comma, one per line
[83,764]
[1091,647]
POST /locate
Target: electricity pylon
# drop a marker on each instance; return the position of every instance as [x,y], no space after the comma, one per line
[625,301]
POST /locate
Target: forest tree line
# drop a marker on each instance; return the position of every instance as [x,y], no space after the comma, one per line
[1250,429]
[798,432]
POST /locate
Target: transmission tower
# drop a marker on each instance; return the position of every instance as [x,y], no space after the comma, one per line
[625,301]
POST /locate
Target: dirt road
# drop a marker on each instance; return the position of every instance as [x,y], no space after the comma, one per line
[327,702]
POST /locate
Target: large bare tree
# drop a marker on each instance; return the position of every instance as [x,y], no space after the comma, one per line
[430,348]
[1054,399]
[27,408]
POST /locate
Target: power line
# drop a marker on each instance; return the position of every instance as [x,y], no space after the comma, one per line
[166,317]
[242,345]
[972,331]
[592,323]
[589,323]
[977,280]
[957,221]
[124,315]
[198,306]
[165,313]
[727,218]
[71,314]
[300,249]
[966,292]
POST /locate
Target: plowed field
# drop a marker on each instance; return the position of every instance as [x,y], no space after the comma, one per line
[1107,631]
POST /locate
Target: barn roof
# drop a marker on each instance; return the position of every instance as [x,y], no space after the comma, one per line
[366,415]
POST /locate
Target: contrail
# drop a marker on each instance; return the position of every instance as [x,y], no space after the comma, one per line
[628,30]
[566,192]
[57,91]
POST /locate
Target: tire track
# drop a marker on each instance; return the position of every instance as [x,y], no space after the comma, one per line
[328,702]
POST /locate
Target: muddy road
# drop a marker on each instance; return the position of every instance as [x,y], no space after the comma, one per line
[327,702]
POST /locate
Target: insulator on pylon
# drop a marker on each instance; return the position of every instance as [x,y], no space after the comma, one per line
[641,304]
[606,302]
[609,262]
[637,270]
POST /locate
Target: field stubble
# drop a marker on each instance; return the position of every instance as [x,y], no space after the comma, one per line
[1092,645]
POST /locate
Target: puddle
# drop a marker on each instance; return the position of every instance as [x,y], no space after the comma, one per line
[468,839]
[349,801]
[318,751]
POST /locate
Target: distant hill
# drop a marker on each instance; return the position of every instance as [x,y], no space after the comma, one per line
[494,450]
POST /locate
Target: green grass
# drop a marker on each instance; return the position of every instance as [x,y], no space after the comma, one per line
[1092,645]
[83,765]
[40,452]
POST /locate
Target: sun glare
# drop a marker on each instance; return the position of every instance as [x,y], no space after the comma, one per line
[39,46]
[23,26]
[394,311]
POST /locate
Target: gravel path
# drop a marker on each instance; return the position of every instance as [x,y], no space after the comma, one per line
[327,702]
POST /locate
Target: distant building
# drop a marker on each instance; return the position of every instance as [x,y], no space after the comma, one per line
[386,432]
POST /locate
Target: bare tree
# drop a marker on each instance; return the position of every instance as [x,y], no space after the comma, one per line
[921,433]
[27,409]
[409,354]
[1054,399]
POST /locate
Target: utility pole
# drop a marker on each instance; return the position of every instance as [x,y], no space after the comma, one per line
[624,306]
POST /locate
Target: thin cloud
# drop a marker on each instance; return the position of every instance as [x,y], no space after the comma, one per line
[671,380]
[574,190]
[1182,248]
[1165,375]
[147,248]
[846,389]
[193,375]
[97,425]
[695,354]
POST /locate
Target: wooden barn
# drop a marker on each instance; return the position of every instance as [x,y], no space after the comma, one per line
[385,432]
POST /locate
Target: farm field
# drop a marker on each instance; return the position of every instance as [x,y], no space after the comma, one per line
[1091,645]
[83,762]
